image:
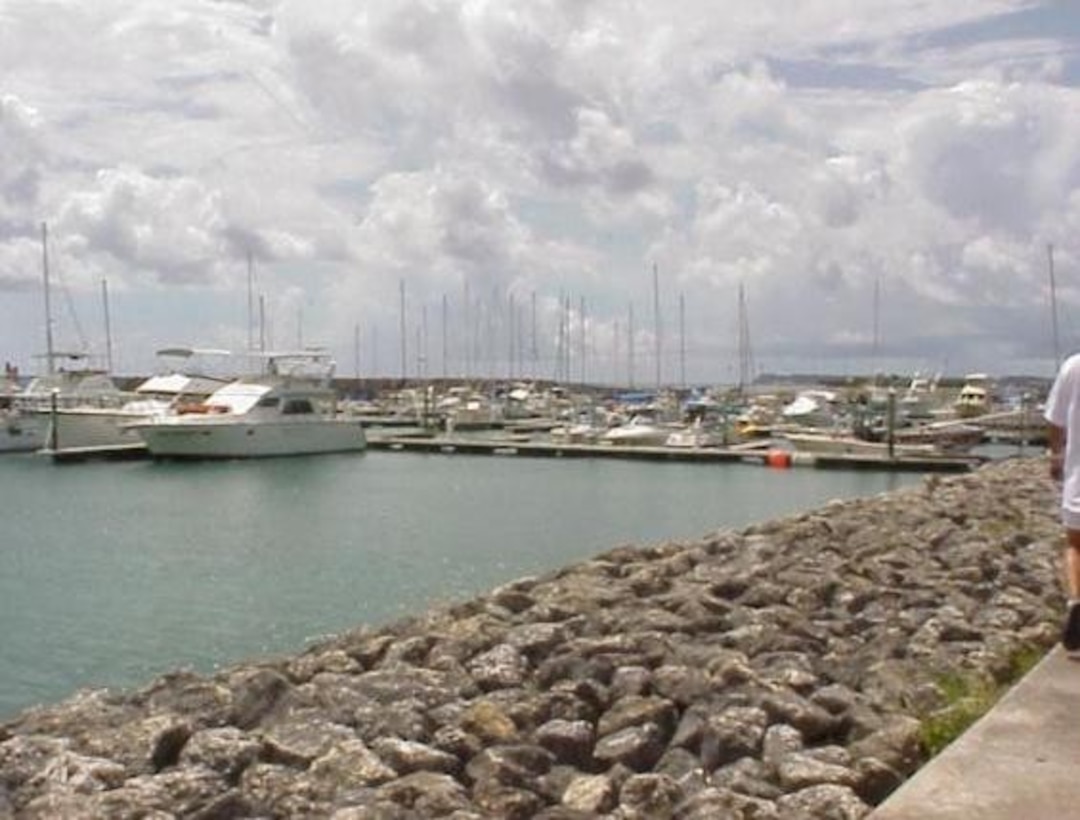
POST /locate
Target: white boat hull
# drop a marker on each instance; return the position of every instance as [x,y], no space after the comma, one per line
[21,432]
[847,445]
[640,437]
[90,428]
[691,439]
[234,438]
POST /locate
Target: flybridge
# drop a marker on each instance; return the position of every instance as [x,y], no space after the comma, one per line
[313,363]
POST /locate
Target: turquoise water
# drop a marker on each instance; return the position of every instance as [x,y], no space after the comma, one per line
[112,573]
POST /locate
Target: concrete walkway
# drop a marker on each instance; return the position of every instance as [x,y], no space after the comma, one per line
[1020,760]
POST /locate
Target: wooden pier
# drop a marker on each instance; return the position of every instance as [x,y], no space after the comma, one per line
[764,454]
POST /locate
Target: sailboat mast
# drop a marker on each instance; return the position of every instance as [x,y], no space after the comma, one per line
[877,328]
[108,326]
[746,362]
[584,338]
[356,349]
[49,352]
[250,303]
[682,341]
[1053,307]
[656,311]
[401,329]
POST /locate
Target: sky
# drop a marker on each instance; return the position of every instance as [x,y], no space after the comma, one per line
[628,192]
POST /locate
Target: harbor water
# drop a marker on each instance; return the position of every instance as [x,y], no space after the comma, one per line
[113,573]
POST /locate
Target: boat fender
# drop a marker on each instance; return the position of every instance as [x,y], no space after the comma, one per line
[778,458]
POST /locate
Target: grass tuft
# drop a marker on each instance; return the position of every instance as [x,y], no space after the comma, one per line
[969,696]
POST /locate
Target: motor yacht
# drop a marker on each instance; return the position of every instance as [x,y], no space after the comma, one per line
[291,409]
[89,427]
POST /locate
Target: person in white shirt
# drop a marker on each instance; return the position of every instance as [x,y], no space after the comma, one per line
[1063,415]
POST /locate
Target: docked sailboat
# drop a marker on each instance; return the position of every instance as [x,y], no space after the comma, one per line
[289,410]
[18,433]
[62,389]
[69,384]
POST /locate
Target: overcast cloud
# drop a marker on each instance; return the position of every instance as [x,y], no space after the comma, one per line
[541,154]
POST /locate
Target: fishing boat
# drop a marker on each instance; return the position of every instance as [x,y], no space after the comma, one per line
[291,409]
[974,397]
[106,428]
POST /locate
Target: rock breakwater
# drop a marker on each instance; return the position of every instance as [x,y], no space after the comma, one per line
[775,672]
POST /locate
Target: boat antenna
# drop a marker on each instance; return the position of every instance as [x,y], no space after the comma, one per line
[49,351]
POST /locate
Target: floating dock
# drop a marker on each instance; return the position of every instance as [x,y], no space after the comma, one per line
[763,454]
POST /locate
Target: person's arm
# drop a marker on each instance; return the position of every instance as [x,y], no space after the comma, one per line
[1057,451]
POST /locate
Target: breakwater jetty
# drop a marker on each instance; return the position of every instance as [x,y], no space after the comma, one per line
[785,670]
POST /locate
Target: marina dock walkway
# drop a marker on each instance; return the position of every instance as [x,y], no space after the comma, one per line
[765,453]
[1019,761]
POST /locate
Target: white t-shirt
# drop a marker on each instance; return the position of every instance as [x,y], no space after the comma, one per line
[1063,410]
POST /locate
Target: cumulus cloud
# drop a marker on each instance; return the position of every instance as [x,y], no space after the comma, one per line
[152,230]
[812,152]
[441,229]
[21,159]
[150,227]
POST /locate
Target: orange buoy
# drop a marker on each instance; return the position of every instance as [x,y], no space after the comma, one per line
[778,458]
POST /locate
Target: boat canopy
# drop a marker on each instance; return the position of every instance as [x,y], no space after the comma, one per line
[182,352]
[239,397]
[171,384]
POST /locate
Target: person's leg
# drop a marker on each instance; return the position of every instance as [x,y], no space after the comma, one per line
[1070,635]
[1072,563]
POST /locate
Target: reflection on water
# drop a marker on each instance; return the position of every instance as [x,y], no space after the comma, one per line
[112,573]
